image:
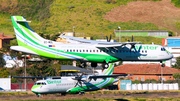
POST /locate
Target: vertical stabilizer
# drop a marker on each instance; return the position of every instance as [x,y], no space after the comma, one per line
[24,34]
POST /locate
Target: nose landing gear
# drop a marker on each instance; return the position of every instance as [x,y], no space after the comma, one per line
[162,64]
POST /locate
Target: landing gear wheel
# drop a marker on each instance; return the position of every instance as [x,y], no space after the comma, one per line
[162,65]
[81,93]
[105,65]
[63,94]
[93,64]
[38,95]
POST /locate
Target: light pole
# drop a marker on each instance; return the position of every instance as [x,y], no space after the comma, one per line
[25,69]
[119,28]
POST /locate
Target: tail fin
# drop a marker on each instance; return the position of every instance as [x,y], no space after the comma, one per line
[23,32]
[109,70]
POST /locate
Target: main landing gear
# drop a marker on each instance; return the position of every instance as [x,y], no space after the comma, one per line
[38,95]
[81,93]
[104,65]
[83,64]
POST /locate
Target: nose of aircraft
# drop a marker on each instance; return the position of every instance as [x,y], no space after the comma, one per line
[34,89]
[171,56]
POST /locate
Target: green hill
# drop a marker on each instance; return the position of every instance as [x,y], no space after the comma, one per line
[53,16]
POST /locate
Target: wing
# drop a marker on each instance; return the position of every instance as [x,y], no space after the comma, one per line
[34,77]
[107,76]
[98,44]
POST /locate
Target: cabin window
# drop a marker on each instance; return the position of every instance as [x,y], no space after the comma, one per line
[86,50]
[93,50]
[97,50]
[103,50]
[70,50]
[76,50]
[73,50]
[107,51]
[79,50]
[145,51]
[67,50]
[142,51]
[90,50]
[83,50]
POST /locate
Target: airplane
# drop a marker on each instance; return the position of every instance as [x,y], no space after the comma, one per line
[84,50]
[75,84]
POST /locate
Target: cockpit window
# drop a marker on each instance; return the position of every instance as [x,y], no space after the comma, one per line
[40,83]
[163,49]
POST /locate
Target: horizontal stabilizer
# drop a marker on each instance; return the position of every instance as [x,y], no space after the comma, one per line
[22,49]
[22,21]
[18,20]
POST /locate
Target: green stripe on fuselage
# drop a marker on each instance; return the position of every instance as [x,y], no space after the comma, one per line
[36,86]
[41,53]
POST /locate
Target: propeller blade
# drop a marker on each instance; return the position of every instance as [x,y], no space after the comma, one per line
[76,84]
[109,38]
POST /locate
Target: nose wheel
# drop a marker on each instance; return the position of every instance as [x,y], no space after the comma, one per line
[162,64]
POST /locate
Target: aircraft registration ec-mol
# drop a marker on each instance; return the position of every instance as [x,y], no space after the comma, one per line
[82,49]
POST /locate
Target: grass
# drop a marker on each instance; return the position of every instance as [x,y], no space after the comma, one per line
[87,16]
[16,93]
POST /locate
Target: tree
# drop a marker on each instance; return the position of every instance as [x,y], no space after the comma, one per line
[176,75]
[4,73]
[177,64]
[2,61]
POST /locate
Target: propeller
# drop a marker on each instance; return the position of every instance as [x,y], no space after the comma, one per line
[108,40]
[133,46]
[79,80]
[131,39]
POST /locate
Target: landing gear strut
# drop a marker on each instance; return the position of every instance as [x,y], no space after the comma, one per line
[83,64]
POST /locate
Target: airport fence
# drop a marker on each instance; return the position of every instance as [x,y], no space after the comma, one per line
[21,86]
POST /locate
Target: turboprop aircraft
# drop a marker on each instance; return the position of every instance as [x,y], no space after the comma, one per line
[82,49]
[76,84]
